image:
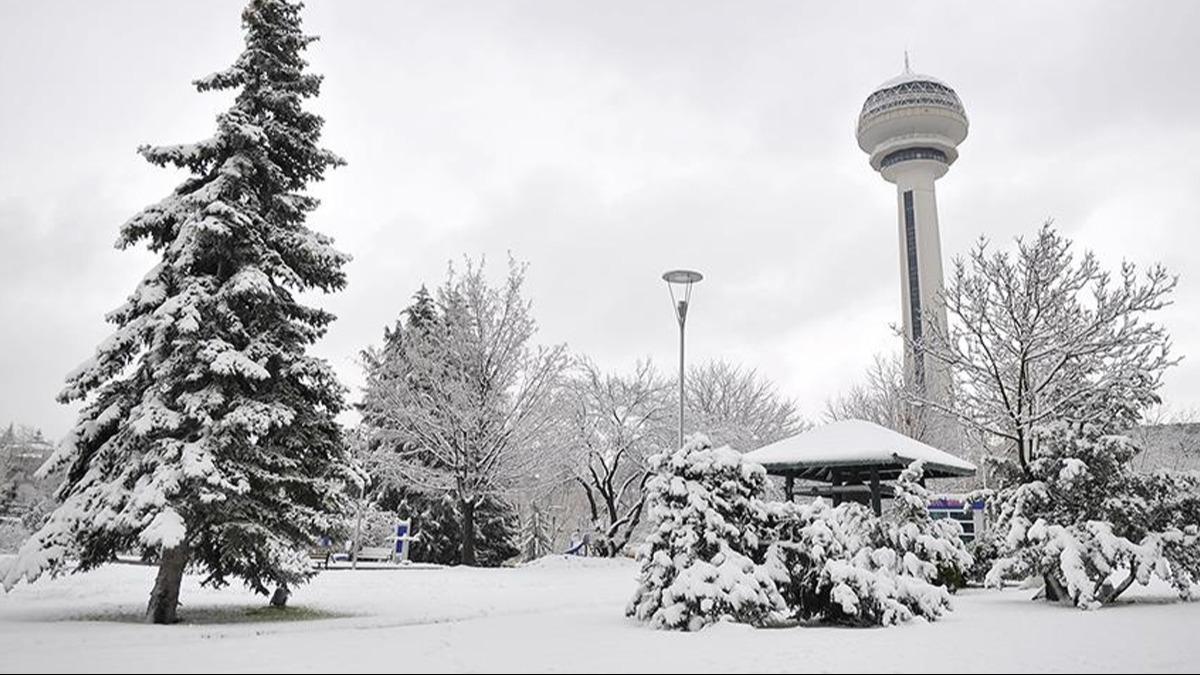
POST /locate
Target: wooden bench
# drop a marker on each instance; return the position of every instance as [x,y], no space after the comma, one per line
[375,554]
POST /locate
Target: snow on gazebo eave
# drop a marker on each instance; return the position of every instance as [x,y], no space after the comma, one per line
[856,443]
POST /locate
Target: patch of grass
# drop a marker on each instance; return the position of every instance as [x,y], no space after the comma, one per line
[223,615]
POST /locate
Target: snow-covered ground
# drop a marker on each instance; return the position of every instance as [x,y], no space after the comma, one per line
[560,614]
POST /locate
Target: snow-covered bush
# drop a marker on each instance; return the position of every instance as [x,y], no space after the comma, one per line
[717,551]
[984,551]
[12,533]
[703,559]
[930,549]
[838,565]
[377,527]
[1090,526]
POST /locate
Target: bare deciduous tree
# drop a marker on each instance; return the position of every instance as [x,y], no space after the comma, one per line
[468,414]
[885,396]
[1168,439]
[738,406]
[1043,335]
[615,422]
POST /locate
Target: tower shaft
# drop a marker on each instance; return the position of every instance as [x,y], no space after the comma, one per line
[921,280]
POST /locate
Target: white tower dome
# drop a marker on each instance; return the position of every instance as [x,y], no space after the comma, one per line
[908,114]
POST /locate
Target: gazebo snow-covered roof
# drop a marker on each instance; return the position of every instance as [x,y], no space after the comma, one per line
[853,456]
[855,443]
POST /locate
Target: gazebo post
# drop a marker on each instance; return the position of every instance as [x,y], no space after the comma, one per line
[876,504]
[789,487]
[836,482]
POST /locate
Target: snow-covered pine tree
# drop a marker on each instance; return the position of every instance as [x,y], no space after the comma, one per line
[703,559]
[535,535]
[1090,525]
[435,522]
[929,549]
[8,481]
[840,565]
[208,435]
[717,551]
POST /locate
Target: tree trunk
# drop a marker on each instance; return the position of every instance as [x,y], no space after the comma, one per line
[280,597]
[1053,591]
[164,599]
[468,532]
[1113,593]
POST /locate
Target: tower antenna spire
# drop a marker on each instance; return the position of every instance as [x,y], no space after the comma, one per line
[907,68]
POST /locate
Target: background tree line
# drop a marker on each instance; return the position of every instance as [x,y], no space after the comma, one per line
[492,443]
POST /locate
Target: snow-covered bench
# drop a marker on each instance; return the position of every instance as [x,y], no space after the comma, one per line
[375,553]
[321,557]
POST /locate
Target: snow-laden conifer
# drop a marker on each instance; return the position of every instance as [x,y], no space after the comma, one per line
[709,529]
[1090,525]
[207,433]
[844,565]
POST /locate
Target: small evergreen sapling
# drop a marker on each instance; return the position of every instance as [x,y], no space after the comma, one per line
[930,549]
[703,559]
[535,535]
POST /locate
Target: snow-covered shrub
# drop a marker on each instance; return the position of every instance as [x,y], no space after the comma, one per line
[838,565]
[984,552]
[718,551]
[12,533]
[1090,526]
[930,549]
[703,559]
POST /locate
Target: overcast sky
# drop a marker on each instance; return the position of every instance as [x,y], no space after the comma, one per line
[603,143]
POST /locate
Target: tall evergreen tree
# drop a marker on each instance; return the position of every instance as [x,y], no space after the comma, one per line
[421,316]
[207,436]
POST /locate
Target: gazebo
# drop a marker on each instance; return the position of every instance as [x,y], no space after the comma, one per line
[853,459]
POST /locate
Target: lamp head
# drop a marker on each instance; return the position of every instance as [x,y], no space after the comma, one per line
[680,282]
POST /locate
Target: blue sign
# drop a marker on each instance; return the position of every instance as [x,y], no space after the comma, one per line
[401,537]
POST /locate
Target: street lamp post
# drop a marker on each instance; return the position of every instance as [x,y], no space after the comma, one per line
[679,282]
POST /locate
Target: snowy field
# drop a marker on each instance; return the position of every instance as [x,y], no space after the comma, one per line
[557,615]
